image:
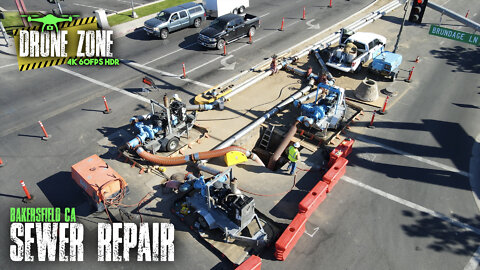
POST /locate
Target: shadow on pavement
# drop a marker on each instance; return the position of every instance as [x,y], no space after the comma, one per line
[61,191]
[462,59]
[444,236]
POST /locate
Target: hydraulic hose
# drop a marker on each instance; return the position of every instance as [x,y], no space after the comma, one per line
[194,157]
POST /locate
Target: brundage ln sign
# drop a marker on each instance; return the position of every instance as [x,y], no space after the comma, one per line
[436,30]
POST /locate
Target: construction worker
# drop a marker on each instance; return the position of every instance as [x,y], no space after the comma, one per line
[293,156]
[273,65]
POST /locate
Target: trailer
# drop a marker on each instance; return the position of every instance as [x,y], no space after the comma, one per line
[217,8]
[223,216]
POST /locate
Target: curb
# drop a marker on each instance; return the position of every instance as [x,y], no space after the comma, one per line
[128,9]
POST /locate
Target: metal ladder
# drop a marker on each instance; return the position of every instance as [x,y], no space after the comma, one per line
[267,135]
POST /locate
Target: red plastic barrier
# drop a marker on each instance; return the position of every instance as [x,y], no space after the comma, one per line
[342,150]
[290,236]
[335,172]
[252,263]
[313,199]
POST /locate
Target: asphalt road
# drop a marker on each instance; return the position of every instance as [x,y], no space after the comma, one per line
[415,161]
[357,229]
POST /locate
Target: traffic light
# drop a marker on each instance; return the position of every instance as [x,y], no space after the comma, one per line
[418,8]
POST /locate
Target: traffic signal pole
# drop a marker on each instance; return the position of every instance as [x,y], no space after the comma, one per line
[405,8]
[455,16]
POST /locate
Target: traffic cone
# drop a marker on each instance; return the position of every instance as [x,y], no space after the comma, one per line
[2,163]
[28,197]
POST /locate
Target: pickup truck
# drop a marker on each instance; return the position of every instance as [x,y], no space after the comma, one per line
[228,28]
[354,50]
[175,18]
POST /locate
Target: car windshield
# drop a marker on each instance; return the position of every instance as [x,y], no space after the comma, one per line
[163,16]
[218,24]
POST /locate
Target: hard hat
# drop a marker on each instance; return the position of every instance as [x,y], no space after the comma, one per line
[176,97]
[296,145]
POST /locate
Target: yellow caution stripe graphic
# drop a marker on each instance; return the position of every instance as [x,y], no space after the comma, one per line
[29,63]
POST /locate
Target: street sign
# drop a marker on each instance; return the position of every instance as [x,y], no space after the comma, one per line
[436,30]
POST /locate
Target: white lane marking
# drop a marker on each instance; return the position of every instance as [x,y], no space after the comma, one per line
[129,2]
[165,55]
[82,5]
[167,74]
[190,45]
[232,51]
[111,87]
[226,65]
[313,233]
[312,26]
[418,158]
[9,65]
[473,262]
[412,205]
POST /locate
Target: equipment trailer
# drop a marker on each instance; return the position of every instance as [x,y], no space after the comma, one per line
[223,216]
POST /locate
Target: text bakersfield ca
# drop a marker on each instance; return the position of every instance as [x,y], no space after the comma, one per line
[91,43]
[39,235]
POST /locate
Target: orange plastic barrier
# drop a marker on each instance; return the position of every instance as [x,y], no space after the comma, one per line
[252,263]
[342,150]
[335,172]
[313,199]
[290,236]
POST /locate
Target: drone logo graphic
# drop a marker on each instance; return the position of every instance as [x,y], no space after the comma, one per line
[49,20]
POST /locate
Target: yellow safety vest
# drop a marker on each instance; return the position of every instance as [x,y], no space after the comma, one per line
[293,154]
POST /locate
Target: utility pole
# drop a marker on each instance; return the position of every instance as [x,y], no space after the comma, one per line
[405,8]
[59,7]
[134,15]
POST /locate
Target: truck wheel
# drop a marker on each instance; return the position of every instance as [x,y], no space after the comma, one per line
[241,9]
[359,68]
[220,44]
[251,31]
[394,76]
[172,145]
[235,11]
[197,22]
[164,33]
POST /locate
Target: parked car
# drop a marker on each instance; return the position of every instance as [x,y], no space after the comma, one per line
[355,49]
[386,64]
[228,28]
[217,8]
[175,18]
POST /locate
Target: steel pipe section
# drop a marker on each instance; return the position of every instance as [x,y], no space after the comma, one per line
[266,116]
[283,145]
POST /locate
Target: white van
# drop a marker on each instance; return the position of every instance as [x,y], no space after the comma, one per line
[217,8]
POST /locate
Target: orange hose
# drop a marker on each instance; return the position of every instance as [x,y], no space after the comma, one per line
[192,157]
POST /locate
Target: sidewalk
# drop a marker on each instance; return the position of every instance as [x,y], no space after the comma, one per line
[124,29]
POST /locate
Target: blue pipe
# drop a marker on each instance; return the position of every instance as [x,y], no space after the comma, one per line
[144,132]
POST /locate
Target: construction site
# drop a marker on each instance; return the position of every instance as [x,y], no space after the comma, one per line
[241,167]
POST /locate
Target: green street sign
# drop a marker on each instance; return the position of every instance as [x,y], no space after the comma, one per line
[436,30]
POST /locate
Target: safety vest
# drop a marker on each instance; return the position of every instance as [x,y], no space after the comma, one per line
[293,154]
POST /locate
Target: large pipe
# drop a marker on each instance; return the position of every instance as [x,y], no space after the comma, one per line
[195,157]
[202,167]
[266,116]
[199,107]
[283,145]
[454,16]
[254,80]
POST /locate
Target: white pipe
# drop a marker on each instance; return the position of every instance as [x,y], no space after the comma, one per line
[266,116]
